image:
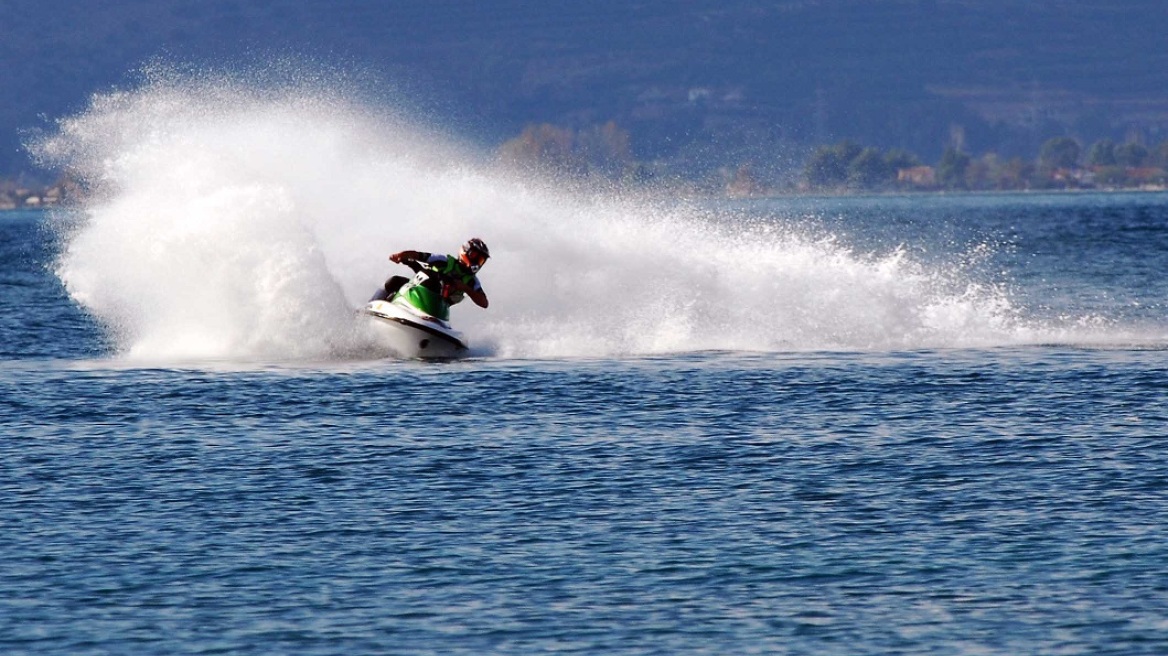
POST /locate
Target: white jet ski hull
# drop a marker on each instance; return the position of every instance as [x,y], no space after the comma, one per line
[415,335]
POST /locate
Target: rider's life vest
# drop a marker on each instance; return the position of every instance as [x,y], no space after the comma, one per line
[429,293]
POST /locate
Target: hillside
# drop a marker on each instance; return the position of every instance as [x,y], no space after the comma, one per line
[692,81]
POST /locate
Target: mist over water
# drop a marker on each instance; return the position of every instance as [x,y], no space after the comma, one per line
[236,221]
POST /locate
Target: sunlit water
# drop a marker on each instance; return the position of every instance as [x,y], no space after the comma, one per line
[923,425]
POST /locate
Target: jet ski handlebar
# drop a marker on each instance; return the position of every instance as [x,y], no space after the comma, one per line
[417,266]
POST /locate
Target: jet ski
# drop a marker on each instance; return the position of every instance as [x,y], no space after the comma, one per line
[411,332]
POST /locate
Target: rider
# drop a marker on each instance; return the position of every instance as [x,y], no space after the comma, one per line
[441,280]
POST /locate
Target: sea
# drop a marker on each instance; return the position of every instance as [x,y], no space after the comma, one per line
[894,424]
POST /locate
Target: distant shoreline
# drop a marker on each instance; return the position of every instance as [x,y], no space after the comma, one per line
[59,203]
[956,192]
[16,196]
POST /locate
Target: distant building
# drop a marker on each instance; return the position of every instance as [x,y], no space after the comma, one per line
[1147,174]
[917,176]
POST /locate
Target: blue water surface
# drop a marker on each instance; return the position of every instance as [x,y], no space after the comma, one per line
[1000,500]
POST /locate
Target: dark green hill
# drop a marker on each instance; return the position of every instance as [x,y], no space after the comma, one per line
[691,79]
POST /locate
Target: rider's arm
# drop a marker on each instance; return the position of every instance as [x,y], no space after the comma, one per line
[475,293]
[479,297]
[409,256]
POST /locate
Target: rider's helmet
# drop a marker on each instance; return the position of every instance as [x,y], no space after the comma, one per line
[474,254]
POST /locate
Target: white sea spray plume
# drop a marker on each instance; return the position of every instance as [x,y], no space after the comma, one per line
[230,220]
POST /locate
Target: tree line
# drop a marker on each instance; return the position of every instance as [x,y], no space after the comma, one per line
[605,151]
[1062,163]
[594,151]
